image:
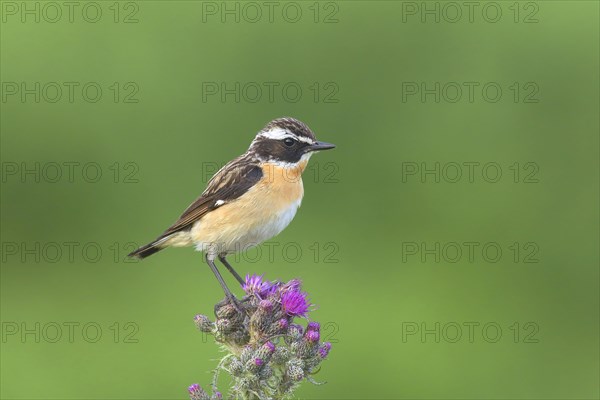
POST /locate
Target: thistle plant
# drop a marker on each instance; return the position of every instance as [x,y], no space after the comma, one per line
[268,354]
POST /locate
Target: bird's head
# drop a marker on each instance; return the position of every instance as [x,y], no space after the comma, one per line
[286,141]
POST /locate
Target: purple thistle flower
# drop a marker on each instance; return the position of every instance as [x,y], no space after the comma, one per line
[196,392]
[313,336]
[270,345]
[194,388]
[324,349]
[283,323]
[313,326]
[255,285]
[258,366]
[295,303]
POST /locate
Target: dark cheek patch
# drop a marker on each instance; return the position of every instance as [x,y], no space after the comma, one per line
[276,150]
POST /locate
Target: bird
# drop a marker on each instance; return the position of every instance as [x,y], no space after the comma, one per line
[248,201]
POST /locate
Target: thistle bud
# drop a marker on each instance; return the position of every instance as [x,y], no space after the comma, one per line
[265,352]
[312,336]
[204,324]
[266,372]
[295,373]
[291,286]
[261,319]
[307,347]
[278,327]
[254,365]
[197,393]
[269,345]
[238,338]
[295,331]
[246,354]
[226,310]
[313,326]
[324,349]
[283,324]
[265,306]
[225,326]
[236,368]
[281,355]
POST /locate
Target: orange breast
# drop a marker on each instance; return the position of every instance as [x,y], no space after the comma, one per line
[283,184]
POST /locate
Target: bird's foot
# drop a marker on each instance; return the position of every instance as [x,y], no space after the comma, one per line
[237,304]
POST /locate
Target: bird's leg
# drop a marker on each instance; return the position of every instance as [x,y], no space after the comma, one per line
[230,269]
[228,294]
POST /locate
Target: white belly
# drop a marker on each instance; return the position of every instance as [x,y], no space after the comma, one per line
[264,231]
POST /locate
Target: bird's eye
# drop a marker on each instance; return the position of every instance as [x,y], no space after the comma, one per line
[289,142]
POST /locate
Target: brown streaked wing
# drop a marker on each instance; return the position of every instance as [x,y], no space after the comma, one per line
[229,183]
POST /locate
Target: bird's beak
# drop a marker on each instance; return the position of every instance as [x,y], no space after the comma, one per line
[318,146]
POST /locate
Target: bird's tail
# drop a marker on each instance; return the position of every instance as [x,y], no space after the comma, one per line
[147,250]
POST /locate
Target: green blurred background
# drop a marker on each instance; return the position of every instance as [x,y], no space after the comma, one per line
[359,209]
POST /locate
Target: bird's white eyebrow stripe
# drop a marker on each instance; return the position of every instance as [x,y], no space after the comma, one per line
[276,133]
[279,134]
[219,202]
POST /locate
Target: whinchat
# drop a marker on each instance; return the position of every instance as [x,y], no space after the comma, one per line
[250,200]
